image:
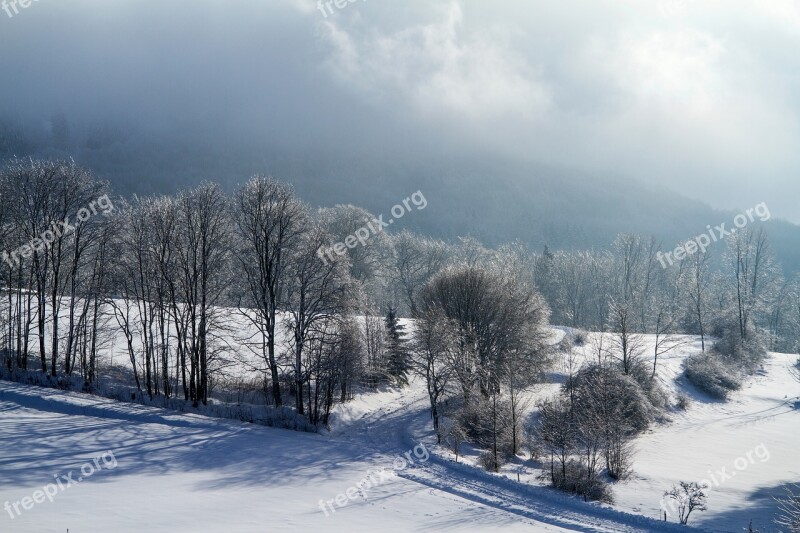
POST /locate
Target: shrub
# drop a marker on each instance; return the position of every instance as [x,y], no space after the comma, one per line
[683,402]
[483,421]
[619,457]
[287,418]
[689,497]
[565,344]
[711,375]
[578,482]
[579,337]
[487,461]
[535,446]
[642,373]
[453,435]
[746,353]
[790,512]
[614,397]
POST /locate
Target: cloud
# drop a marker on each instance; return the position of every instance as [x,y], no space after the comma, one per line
[684,92]
[700,95]
[435,68]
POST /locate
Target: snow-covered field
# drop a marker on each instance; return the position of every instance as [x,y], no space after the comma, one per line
[162,471]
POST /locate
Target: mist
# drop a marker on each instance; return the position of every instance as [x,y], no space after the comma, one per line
[695,96]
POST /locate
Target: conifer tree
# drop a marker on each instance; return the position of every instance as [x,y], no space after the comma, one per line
[396,351]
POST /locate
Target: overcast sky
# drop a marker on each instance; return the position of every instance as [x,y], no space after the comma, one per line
[702,96]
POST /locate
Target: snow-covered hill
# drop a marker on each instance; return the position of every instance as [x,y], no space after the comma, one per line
[155,470]
[189,473]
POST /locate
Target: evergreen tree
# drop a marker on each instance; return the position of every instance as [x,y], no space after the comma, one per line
[396,351]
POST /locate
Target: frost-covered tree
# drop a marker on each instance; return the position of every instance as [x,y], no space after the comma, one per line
[415,260]
[316,292]
[494,318]
[373,335]
[432,347]
[790,511]
[753,279]
[270,223]
[366,244]
[688,497]
[696,280]
[558,433]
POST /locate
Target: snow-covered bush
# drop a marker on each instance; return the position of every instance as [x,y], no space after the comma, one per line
[711,375]
[565,344]
[642,373]
[486,423]
[487,460]
[579,337]
[744,353]
[574,479]
[683,402]
[613,397]
[287,418]
[688,497]
[790,512]
[283,417]
[453,435]
[619,456]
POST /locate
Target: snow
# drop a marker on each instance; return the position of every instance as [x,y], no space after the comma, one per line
[185,472]
[758,421]
[190,473]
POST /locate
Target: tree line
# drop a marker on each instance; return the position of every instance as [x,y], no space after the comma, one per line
[177,275]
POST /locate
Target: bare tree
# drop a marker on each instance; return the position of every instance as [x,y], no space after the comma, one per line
[432,346]
[270,222]
[665,314]
[317,292]
[204,272]
[494,317]
[790,512]
[753,277]
[689,497]
[497,322]
[629,345]
[416,259]
[698,284]
[558,433]
[373,334]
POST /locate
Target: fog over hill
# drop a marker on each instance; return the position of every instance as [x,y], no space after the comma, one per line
[492,199]
[519,122]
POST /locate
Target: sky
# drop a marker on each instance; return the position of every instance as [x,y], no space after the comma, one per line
[701,96]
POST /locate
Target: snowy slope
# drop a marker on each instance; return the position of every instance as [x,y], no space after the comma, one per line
[183,472]
[189,473]
[746,447]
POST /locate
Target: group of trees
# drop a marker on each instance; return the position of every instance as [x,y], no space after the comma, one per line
[197,282]
[175,275]
[480,340]
[738,302]
[631,287]
[55,248]
[587,428]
